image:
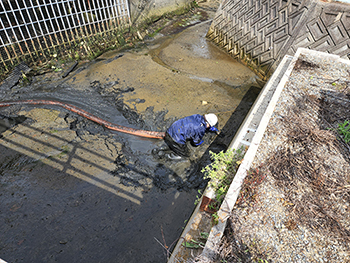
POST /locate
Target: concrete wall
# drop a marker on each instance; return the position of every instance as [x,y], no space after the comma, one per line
[142,9]
[260,32]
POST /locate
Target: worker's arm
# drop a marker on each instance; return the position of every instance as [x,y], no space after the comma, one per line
[214,129]
[197,144]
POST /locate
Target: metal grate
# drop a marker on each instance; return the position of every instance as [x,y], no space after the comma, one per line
[38,28]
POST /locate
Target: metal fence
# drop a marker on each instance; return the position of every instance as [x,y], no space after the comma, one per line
[37,29]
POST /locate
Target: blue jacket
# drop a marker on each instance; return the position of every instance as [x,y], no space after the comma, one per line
[189,128]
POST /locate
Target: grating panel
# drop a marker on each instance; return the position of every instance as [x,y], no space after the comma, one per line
[37,28]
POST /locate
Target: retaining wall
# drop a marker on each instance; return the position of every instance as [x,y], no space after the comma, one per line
[143,9]
[260,33]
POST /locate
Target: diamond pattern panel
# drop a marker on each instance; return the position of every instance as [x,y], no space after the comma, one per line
[317,29]
[346,21]
[337,32]
[261,32]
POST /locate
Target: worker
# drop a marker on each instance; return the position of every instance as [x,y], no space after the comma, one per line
[191,128]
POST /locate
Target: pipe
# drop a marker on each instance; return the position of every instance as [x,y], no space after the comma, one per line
[81,112]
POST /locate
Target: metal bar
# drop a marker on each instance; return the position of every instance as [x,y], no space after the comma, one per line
[116,15]
[53,28]
[75,26]
[97,20]
[75,14]
[106,17]
[8,55]
[47,29]
[41,30]
[83,18]
[102,20]
[86,24]
[119,10]
[31,22]
[63,24]
[69,24]
[92,12]
[20,30]
[3,62]
[80,24]
[4,45]
[127,11]
[13,27]
[88,17]
[58,24]
[9,38]
[110,17]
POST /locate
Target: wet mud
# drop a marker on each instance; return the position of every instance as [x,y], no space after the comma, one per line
[74,191]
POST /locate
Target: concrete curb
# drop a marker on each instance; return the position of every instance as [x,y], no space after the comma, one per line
[249,135]
[244,135]
[275,84]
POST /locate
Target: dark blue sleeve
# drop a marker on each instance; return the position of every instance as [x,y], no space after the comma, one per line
[198,129]
[188,128]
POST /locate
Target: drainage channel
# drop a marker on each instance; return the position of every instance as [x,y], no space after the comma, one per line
[72,190]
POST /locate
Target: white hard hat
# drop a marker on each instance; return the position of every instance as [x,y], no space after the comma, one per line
[211,119]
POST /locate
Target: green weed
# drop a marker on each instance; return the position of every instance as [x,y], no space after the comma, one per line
[221,171]
[204,235]
[344,130]
[198,197]
[193,244]
[215,218]
[197,244]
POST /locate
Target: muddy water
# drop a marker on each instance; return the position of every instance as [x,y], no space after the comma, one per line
[72,191]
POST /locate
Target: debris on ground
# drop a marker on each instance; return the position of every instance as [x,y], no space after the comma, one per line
[15,76]
[294,204]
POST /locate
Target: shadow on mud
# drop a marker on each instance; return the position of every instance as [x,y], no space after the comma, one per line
[221,143]
[185,175]
[59,212]
[7,122]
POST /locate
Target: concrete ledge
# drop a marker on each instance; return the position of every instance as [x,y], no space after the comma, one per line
[268,99]
[249,136]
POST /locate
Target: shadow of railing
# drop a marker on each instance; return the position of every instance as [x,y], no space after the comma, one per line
[91,165]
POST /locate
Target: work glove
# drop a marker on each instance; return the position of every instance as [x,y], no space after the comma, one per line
[197,144]
[213,129]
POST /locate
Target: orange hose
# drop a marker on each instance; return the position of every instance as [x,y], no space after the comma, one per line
[81,112]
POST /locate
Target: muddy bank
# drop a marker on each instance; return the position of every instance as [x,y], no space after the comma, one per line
[71,190]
